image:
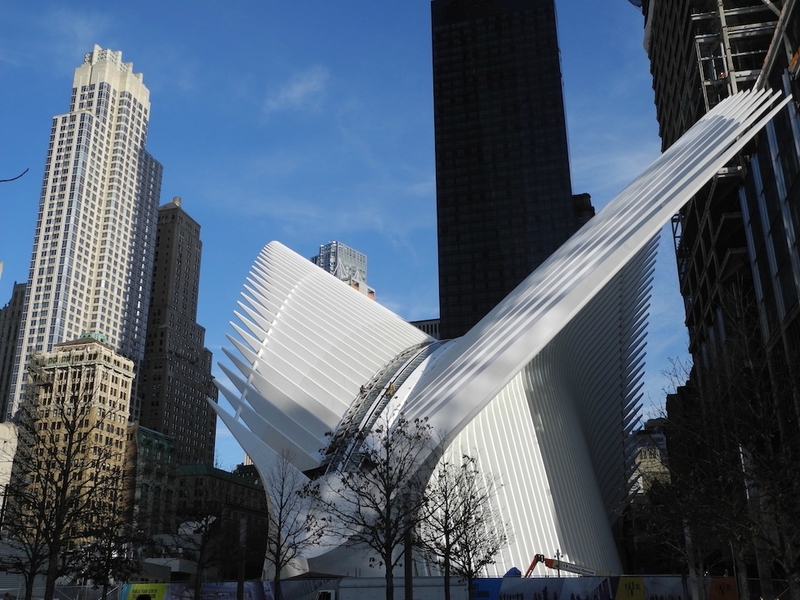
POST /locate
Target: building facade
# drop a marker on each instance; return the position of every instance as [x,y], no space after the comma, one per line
[429,326]
[152,488]
[345,263]
[503,191]
[738,267]
[10,321]
[174,380]
[8,447]
[69,473]
[216,510]
[92,255]
[89,368]
[740,229]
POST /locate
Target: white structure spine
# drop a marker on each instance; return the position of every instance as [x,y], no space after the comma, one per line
[542,392]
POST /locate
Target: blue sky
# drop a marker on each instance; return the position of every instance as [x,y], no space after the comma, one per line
[307,122]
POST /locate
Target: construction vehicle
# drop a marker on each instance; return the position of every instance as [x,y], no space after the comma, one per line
[561,565]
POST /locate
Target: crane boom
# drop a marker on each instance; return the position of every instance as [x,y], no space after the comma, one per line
[561,565]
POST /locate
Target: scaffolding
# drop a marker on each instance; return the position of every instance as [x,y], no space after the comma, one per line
[731,42]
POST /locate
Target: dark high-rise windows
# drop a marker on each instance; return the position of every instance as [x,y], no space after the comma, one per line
[504,198]
[175,376]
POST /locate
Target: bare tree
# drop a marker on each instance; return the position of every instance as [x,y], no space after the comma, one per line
[211,511]
[113,554]
[112,557]
[439,531]
[26,554]
[294,526]
[373,504]
[202,535]
[461,526]
[684,515]
[66,472]
[734,445]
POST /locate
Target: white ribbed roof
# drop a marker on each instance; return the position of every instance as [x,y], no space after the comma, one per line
[543,390]
[478,365]
[305,342]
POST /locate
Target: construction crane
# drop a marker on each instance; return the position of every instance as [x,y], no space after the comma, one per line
[561,565]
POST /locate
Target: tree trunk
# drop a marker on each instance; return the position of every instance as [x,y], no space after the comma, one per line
[741,575]
[198,582]
[277,586]
[446,578]
[389,581]
[793,581]
[470,588]
[408,565]
[52,575]
[696,582]
[790,559]
[764,571]
[242,558]
[202,563]
[107,575]
[29,581]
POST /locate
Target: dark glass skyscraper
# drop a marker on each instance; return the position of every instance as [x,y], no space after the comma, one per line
[504,196]
[175,376]
[10,322]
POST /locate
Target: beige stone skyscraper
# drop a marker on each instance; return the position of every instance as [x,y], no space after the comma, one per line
[85,381]
[71,450]
[93,246]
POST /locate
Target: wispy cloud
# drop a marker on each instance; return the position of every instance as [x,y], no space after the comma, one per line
[299,189]
[303,91]
[394,205]
[278,162]
[178,69]
[54,37]
[12,57]
[73,33]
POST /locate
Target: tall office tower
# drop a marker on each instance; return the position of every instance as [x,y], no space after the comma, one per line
[175,381]
[736,241]
[93,245]
[503,191]
[89,368]
[10,321]
[346,263]
[72,439]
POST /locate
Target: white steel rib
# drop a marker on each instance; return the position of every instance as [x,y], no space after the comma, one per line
[542,392]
